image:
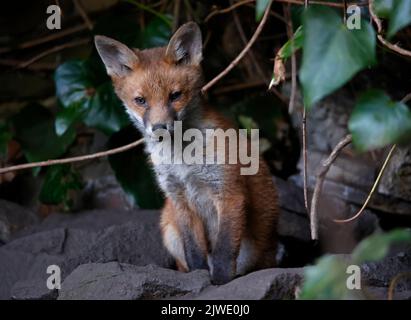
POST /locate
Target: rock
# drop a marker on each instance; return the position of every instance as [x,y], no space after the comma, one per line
[273,284]
[381,293]
[293,220]
[17,266]
[97,236]
[396,180]
[14,218]
[114,281]
[32,290]
[381,273]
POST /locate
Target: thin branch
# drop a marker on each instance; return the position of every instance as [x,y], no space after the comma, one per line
[385,42]
[40,66]
[176,14]
[73,159]
[242,53]
[290,34]
[44,39]
[83,14]
[305,158]
[325,167]
[228,9]
[324,3]
[376,182]
[53,50]
[244,40]
[406,98]
[374,187]
[239,86]
[394,282]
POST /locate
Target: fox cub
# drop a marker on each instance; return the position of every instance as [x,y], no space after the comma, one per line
[214,218]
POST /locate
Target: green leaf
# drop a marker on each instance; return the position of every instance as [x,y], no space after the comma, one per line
[133,171]
[156,34]
[5,137]
[293,44]
[400,16]
[332,54]
[260,7]
[58,182]
[247,123]
[383,8]
[376,121]
[166,19]
[34,130]
[106,111]
[95,103]
[67,117]
[326,279]
[376,246]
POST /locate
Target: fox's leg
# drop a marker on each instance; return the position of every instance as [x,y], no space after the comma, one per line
[172,237]
[231,216]
[183,235]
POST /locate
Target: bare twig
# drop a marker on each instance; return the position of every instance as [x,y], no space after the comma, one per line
[244,40]
[239,86]
[377,180]
[305,159]
[374,187]
[176,14]
[324,3]
[228,9]
[73,159]
[325,167]
[83,14]
[406,98]
[242,53]
[293,59]
[394,282]
[53,50]
[385,42]
[44,39]
[40,66]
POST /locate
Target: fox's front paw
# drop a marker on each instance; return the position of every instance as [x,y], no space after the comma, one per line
[218,279]
[221,275]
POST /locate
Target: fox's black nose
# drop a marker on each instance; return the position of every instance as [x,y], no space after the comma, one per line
[159,126]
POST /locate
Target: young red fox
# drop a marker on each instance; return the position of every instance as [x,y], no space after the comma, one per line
[214,218]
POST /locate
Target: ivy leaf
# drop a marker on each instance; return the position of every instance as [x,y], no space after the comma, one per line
[260,7]
[383,8]
[376,121]
[292,45]
[376,246]
[326,279]
[156,34]
[400,16]
[94,103]
[106,111]
[34,130]
[67,117]
[332,54]
[133,171]
[58,182]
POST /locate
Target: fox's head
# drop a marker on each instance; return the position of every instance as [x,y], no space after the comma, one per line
[158,85]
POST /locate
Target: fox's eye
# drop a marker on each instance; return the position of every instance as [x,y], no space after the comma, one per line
[140,100]
[175,95]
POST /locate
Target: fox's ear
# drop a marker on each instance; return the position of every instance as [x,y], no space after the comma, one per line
[117,57]
[185,45]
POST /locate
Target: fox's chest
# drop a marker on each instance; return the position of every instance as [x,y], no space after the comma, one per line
[192,180]
[196,184]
